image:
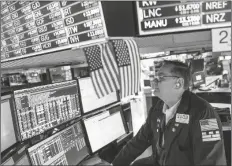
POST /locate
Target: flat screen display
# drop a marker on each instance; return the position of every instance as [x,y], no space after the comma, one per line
[156,17]
[104,128]
[88,96]
[60,74]
[67,147]
[8,137]
[37,27]
[44,107]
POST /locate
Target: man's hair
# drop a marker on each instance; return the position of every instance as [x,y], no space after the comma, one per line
[181,70]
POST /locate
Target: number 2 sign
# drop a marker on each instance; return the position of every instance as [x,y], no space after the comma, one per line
[221,39]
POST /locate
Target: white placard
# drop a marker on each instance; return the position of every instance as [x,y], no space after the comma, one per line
[221,39]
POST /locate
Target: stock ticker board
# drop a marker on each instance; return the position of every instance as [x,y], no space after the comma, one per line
[155,17]
[35,27]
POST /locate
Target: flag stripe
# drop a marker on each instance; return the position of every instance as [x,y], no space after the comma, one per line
[107,77]
[104,82]
[138,65]
[113,60]
[96,85]
[129,80]
[111,68]
[122,82]
[126,81]
[133,66]
[136,80]
[101,82]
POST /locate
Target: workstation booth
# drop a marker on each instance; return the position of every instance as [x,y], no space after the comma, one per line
[77,76]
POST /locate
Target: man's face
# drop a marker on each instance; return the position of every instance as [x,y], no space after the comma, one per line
[165,83]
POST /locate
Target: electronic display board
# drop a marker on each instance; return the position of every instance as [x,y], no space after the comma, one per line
[156,17]
[36,27]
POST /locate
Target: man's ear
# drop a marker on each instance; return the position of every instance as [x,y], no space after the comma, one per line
[179,83]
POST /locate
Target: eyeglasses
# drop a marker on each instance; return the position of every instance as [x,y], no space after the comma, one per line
[161,78]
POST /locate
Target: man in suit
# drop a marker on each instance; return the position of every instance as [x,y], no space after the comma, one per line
[182,128]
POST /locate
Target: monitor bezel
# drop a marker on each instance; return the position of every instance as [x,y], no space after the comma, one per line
[22,147]
[96,109]
[100,112]
[78,94]
[9,97]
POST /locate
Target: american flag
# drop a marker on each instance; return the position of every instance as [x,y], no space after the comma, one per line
[103,69]
[209,124]
[127,57]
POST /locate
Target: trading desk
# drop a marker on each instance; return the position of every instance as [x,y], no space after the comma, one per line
[213,90]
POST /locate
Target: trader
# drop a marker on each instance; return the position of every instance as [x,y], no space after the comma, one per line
[182,128]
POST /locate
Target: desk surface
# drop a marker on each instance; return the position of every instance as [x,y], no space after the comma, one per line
[213,90]
[226,128]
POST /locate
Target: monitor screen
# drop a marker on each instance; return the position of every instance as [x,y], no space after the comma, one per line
[88,96]
[60,74]
[198,79]
[8,137]
[44,107]
[104,128]
[66,147]
[17,79]
[197,65]
[34,75]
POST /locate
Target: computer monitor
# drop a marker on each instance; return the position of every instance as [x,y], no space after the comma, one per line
[89,99]
[44,107]
[8,132]
[19,157]
[17,79]
[60,74]
[214,67]
[197,65]
[104,128]
[66,147]
[198,79]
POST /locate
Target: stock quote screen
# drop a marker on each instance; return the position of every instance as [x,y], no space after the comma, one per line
[41,108]
[38,27]
[67,147]
[156,17]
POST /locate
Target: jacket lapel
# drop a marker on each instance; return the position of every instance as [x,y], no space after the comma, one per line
[157,119]
[176,127]
[156,123]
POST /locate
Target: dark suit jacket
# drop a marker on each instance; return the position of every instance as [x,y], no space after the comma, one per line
[197,142]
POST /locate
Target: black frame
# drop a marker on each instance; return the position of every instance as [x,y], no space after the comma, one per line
[19,147]
[10,98]
[96,109]
[108,109]
[78,92]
